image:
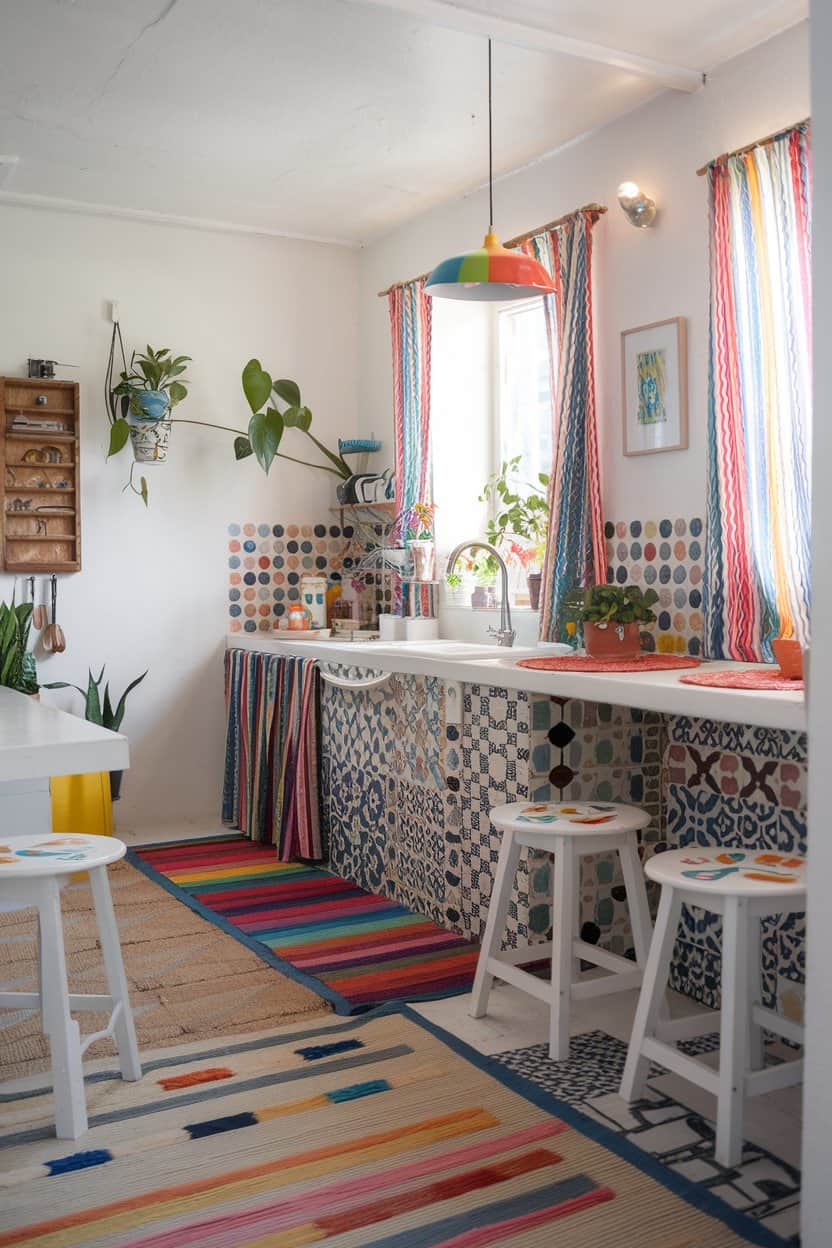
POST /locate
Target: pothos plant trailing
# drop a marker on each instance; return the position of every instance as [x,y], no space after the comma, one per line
[146,393]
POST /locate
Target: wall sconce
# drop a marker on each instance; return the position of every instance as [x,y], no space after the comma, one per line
[638,208]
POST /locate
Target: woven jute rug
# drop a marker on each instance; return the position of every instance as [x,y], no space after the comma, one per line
[377,1131]
[188,981]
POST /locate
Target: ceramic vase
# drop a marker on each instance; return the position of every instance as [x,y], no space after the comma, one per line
[150,441]
[423,553]
[533,580]
[612,640]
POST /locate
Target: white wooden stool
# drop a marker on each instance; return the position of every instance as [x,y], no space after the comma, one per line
[744,887]
[33,870]
[568,830]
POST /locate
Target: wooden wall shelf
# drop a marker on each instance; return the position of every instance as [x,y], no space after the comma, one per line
[36,463]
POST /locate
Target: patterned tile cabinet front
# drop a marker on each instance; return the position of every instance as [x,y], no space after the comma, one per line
[407,796]
[407,792]
[745,788]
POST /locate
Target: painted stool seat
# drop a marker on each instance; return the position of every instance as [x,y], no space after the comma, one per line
[744,886]
[569,818]
[568,831]
[730,872]
[33,870]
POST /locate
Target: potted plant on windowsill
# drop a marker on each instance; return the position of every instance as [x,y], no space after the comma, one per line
[520,520]
[612,616]
[485,569]
[98,710]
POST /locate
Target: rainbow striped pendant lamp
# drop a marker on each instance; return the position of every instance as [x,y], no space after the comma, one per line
[492,272]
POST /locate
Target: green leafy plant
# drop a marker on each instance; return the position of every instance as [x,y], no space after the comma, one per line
[610,604]
[17,663]
[520,508]
[268,422]
[97,709]
[151,371]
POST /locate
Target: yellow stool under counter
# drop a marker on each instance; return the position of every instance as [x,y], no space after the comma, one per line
[82,804]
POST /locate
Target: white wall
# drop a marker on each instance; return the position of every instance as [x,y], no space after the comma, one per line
[817,1101]
[152,592]
[641,276]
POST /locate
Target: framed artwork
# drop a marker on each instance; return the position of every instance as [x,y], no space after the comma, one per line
[654,386]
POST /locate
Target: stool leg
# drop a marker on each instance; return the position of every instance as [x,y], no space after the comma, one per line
[564,905]
[756,1046]
[639,908]
[495,923]
[733,1039]
[124,1031]
[636,1068]
[59,1025]
[636,898]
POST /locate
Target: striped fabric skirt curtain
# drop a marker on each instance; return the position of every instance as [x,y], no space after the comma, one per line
[271,790]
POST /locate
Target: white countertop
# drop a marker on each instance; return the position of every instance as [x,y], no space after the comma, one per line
[472,664]
[38,740]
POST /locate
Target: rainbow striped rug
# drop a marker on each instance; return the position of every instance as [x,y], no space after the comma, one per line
[370,1132]
[356,950]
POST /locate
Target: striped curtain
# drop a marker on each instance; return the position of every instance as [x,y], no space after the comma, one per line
[410,327]
[757,583]
[270,791]
[575,553]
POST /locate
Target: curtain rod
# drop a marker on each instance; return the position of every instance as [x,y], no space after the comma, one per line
[749,147]
[593,210]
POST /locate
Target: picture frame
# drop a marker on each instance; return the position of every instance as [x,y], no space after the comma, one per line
[654,387]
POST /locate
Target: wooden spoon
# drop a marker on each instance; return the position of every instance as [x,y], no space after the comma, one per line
[53,637]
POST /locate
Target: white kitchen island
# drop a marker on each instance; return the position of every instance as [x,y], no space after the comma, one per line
[38,741]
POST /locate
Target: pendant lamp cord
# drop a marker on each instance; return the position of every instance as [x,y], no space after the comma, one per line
[490,157]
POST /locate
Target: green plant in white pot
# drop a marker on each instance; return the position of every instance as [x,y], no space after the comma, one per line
[142,401]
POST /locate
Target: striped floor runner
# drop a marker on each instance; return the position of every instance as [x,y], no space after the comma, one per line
[355,949]
[370,1132]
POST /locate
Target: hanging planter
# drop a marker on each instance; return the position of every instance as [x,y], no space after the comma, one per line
[150,441]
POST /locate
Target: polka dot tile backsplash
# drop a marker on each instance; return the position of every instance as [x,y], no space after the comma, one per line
[267,561]
[667,556]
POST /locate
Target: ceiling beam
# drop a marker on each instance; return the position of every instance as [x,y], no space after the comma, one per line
[460,16]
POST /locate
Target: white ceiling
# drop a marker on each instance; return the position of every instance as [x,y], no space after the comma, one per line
[334,119]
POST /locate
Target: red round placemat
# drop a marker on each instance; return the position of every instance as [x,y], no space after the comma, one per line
[750,678]
[583,663]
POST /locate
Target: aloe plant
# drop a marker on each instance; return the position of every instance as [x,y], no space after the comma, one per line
[97,709]
[17,663]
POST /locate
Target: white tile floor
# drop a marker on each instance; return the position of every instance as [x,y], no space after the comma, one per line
[516,1021]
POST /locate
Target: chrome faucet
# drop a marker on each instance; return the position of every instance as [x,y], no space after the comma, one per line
[505,634]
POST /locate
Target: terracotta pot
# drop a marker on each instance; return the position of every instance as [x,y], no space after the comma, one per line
[533,581]
[612,641]
[789,655]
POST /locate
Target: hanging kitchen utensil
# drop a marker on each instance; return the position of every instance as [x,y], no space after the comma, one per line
[38,610]
[53,637]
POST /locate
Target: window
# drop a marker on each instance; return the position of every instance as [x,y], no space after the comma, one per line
[524,396]
[491,400]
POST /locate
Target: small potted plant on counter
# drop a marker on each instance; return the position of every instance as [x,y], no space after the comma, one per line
[98,710]
[520,519]
[612,616]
